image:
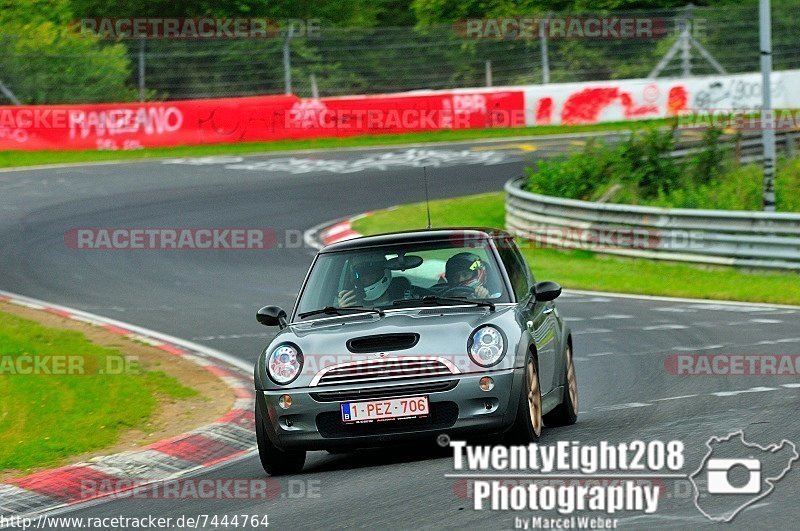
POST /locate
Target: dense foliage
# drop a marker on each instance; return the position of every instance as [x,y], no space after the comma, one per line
[367,46]
[44,61]
[639,170]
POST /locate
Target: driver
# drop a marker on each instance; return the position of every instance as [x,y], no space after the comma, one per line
[373,284]
[467,270]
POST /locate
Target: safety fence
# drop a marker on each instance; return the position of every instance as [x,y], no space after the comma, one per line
[740,238]
[51,65]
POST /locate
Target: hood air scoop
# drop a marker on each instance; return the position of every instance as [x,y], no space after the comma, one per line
[382,343]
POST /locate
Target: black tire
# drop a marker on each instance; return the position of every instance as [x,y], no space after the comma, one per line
[276,462]
[527,426]
[566,413]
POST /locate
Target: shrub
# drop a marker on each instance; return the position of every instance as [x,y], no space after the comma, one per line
[641,164]
[44,61]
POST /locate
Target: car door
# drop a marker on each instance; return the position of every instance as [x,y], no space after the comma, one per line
[537,316]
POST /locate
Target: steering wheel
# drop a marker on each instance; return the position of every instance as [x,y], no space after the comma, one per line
[459,291]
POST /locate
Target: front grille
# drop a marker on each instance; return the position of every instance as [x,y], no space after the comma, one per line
[382,343]
[384,391]
[385,370]
[443,415]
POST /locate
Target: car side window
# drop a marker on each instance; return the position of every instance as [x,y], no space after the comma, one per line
[516,269]
[525,267]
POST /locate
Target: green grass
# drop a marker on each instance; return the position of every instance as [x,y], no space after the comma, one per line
[32,158]
[590,271]
[45,418]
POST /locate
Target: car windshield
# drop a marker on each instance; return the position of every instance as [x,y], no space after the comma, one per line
[402,276]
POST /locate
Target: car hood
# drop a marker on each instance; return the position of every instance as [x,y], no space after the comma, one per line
[443,333]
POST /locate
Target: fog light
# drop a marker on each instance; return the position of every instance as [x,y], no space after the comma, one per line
[285,401]
[486,383]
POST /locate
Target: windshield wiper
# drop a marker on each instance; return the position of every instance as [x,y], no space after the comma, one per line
[435,299]
[334,310]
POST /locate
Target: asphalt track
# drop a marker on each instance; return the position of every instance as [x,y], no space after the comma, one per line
[211,297]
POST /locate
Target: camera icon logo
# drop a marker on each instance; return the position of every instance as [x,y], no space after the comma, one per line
[735,474]
[718,476]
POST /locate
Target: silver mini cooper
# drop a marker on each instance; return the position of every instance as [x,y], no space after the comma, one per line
[412,335]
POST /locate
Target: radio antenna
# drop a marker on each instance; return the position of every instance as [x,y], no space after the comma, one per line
[427,199]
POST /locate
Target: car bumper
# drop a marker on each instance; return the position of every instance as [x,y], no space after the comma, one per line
[458,405]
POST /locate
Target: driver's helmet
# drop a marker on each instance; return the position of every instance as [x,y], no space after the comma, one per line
[372,275]
[465,270]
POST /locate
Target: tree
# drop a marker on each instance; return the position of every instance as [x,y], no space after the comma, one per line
[43,60]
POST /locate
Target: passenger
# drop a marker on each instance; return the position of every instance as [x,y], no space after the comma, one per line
[373,285]
[467,270]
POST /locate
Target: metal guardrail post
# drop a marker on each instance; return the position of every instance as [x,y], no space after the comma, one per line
[543,28]
[8,94]
[141,68]
[768,133]
[686,43]
[287,63]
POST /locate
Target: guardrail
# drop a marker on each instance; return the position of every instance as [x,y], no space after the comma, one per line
[739,238]
[746,146]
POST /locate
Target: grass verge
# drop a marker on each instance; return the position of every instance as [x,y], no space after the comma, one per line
[33,158]
[591,271]
[47,418]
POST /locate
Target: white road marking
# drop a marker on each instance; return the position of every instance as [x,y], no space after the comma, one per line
[674,300]
[596,354]
[716,307]
[751,390]
[414,157]
[757,321]
[592,331]
[692,349]
[776,341]
[673,398]
[791,385]
[628,405]
[665,327]
[612,316]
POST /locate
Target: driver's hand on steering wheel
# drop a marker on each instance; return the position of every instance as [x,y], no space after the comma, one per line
[346,299]
[481,292]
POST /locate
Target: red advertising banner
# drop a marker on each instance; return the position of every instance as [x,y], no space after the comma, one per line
[125,126]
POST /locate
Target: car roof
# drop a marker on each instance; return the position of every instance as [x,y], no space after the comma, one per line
[416,236]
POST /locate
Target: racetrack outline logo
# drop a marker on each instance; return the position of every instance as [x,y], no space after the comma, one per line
[768,479]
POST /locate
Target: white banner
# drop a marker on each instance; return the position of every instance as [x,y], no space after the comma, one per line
[636,99]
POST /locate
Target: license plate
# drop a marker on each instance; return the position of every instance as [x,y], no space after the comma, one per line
[388,409]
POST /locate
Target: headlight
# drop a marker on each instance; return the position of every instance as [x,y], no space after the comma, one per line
[284,364]
[486,346]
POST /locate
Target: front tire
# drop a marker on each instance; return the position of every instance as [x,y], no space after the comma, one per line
[276,462]
[527,426]
[566,413]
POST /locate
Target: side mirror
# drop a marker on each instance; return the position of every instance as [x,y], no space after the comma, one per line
[271,316]
[546,291]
